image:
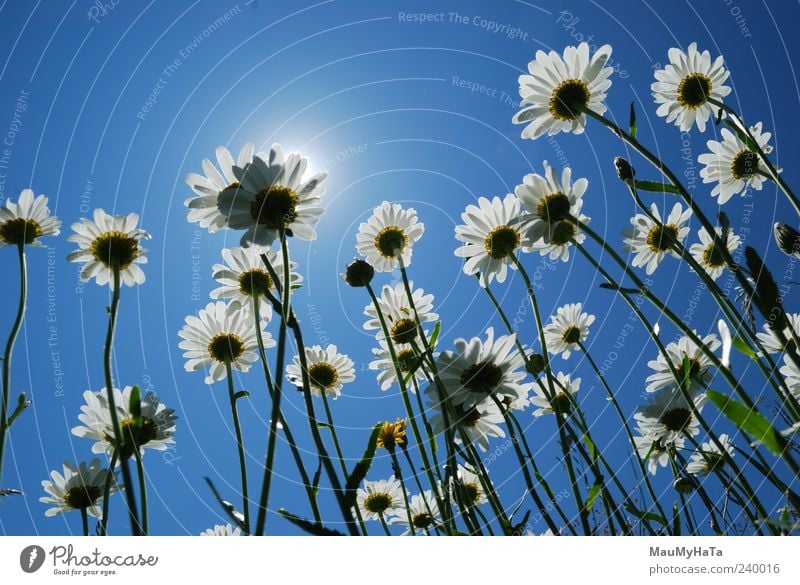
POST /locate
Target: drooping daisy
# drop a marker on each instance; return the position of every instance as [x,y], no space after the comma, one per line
[379,499]
[769,339]
[478,370]
[558,90]
[652,240]
[204,206]
[274,193]
[392,434]
[155,432]
[565,389]
[470,486]
[699,364]
[708,457]
[708,254]
[24,222]
[328,370]
[733,165]
[220,530]
[491,236]
[566,329]
[388,236]
[423,510]
[791,372]
[684,86]
[221,334]
[654,451]
[479,423]
[398,313]
[109,243]
[244,276]
[564,233]
[407,359]
[78,488]
[549,201]
[668,416]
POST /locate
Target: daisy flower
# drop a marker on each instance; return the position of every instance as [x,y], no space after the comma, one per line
[791,372]
[78,488]
[407,359]
[244,276]
[668,416]
[479,423]
[491,236]
[221,334]
[157,421]
[707,253]
[559,88]
[563,235]
[328,370]
[548,202]
[699,364]
[108,244]
[566,389]
[652,240]
[399,314]
[24,222]
[684,86]
[418,508]
[204,206]
[392,434]
[388,235]
[566,329]
[654,450]
[478,370]
[274,194]
[377,499]
[471,486]
[733,165]
[220,530]
[769,339]
[708,457]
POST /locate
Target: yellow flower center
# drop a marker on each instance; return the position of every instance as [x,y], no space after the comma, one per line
[662,237]
[553,208]
[116,250]
[568,99]
[254,282]
[82,497]
[404,330]
[744,165]
[391,241]
[323,375]
[481,378]
[694,90]
[676,419]
[274,207]
[20,231]
[226,347]
[378,503]
[501,242]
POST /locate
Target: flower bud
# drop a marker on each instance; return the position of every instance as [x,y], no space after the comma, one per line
[359,273]
[788,239]
[534,364]
[625,171]
[683,485]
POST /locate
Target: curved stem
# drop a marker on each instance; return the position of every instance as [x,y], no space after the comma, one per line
[119,439]
[240,447]
[12,338]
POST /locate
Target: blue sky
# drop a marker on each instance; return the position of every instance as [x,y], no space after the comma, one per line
[394,109]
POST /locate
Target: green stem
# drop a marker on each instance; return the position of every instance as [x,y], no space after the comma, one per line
[240,447]
[107,493]
[85,521]
[383,524]
[12,338]
[119,439]
[142,490]
[398,473]
[339,454]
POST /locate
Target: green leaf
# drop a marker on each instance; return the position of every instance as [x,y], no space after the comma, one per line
[656,187]
[315,480]
[236,517]
[767,296]
[646,515]
[591,497]
[241,394]
[676,520]
[590,445]
[323,425]
[135,404]
[310,527]
[616,287]
[687,373]
[749,421]
[362,467]
[741,345]
[632,124]
[437,329]
[22,404]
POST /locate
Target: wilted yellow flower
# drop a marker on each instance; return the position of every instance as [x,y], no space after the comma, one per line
[392,434]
